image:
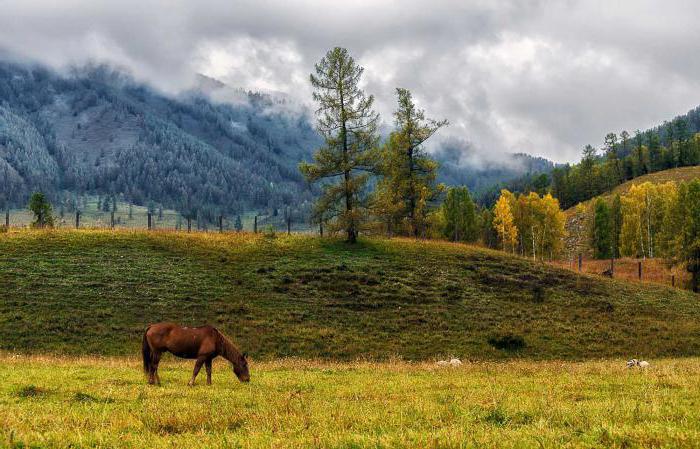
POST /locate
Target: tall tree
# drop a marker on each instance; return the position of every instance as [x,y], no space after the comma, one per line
[602,230]
[348,125]
[409,173]
[689,198]
[459,215]
[616,225]
[503,220]
[421,171]
[613,160]
[587,170]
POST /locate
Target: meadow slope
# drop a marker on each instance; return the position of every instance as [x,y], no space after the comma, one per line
[676,175]
[94,292]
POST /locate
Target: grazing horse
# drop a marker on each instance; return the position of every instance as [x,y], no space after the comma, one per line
[200,343]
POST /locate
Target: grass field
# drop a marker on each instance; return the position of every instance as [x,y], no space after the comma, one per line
[98,402]
[94,292]
[344,341]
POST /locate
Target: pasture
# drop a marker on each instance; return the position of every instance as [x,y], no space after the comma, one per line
[104,402]
[343,343]
[94,293]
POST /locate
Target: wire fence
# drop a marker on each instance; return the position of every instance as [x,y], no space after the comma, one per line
[657,271]
[131,218]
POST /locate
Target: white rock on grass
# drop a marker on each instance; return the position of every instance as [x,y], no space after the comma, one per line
[638,363]
[451,362]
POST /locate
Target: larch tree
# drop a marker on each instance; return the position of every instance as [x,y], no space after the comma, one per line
[348,124]
[410,174]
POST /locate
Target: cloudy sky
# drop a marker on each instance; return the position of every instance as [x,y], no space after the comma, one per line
[543,77]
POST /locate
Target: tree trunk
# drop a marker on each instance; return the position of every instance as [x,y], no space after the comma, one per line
[352,233]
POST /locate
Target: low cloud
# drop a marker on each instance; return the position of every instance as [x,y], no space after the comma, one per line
[542,77]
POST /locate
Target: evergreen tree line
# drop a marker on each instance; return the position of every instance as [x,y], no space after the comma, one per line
[622,157]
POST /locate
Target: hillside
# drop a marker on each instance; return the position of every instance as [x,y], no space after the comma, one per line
[576,227]
[98,131]
[677,175]
[94,292]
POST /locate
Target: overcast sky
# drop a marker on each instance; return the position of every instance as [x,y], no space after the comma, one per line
[542,77]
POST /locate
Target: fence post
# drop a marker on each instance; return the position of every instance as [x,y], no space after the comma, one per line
[221,223]
[77,219]
[289,224]
[640,270]
[149,221]
[580,262]
[189,224]
[255,225]
[673,280]
[7,218]
[320,228]
[112,219]
[612,266]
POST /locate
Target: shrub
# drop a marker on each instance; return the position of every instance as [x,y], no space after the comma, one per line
[270,232]
[508,342]
[31,391]
[41,208]
[539,294]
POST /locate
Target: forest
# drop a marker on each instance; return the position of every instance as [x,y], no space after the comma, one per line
[622,157]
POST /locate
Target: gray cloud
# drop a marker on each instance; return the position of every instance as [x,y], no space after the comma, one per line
[543,77]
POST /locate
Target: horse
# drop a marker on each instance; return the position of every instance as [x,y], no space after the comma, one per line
[200,343]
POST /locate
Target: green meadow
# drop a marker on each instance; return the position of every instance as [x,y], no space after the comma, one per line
[343,343]
[104,402]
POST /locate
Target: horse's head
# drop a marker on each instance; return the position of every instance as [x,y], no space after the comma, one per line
[240,368]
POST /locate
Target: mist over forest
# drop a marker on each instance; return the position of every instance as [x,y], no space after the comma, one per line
[209,150]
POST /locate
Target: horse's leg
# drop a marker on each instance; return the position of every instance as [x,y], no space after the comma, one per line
[197,366]
[152,369]
[207,365]
[156,361]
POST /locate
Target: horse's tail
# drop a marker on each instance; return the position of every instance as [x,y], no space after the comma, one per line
[146,352]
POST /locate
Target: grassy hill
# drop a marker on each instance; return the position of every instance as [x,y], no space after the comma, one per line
[93,292]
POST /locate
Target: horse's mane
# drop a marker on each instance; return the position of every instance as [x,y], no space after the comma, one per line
[228,349]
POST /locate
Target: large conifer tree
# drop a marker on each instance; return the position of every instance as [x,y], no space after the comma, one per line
[348,123]
[409,173]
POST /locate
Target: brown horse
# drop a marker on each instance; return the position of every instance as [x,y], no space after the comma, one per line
[201,343]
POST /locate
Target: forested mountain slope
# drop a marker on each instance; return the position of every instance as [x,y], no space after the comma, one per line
[97,131]
[213,149]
